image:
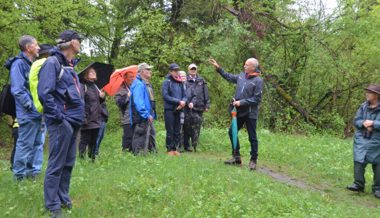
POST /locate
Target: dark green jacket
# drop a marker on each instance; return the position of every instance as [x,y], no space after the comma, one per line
[367,144]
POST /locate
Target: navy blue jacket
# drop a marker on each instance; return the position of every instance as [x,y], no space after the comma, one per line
[248,92]
[19,74]
[173,92]
[140,107]
[60,97]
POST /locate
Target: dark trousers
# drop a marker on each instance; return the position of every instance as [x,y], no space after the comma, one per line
[173,129]
[88,138]
[192,128]
[144,138]
[62,152]
[251,128]
[127,137]
[15,136]
[359,171]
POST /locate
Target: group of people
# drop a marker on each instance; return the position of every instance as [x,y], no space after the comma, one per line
[185,100]
[50,95]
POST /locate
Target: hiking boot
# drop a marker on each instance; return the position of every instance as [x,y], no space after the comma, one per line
[377,194]
[56,214]
[252,164]
[171,153]
[355,188]
[188,150]
[233,161]
[176,153]
[67,206]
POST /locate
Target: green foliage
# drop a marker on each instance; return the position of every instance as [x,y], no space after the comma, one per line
[321,61]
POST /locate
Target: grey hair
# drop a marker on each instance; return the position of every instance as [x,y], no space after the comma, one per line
[254,61]
[24,41]
[64,45]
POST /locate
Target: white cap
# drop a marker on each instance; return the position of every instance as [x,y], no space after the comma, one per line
[144,66]
[193,66]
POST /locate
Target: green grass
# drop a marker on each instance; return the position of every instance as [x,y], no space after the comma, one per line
[200,185]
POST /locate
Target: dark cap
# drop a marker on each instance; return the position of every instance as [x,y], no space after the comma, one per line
[173,66]
[44,48]
[374,88]
[68,35]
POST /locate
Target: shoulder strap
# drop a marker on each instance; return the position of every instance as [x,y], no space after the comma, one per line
[62,69]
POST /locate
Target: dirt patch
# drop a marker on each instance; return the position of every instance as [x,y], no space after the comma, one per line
[285,179]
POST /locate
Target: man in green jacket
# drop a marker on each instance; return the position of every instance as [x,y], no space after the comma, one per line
[367,141]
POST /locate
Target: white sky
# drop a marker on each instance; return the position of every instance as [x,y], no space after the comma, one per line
[308,8]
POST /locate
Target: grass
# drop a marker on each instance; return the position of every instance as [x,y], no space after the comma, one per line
[200,185]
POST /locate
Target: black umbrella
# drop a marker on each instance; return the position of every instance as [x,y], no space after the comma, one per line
[103,73]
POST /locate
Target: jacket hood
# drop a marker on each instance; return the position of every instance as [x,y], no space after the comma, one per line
[62,59]
[169,76]
[9,61]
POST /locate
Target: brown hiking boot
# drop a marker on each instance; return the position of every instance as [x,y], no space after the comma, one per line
[176,153]
[233,161]
[252,164]
[171,153]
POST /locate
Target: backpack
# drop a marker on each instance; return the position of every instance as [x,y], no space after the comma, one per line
[7,101]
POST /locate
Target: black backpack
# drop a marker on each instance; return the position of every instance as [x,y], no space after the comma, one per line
[7,101]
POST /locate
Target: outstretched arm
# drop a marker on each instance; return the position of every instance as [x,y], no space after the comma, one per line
[227,76]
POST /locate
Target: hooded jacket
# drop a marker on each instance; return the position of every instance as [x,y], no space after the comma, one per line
[140,105]
[248,92]
[20,89]
[173,92]
[59,91]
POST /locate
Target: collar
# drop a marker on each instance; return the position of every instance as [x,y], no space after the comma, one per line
[251,75]
[23,55]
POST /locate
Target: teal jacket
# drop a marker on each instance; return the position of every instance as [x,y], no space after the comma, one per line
[367,144]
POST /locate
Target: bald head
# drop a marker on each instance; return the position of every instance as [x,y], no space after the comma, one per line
[250,65]
[253,61]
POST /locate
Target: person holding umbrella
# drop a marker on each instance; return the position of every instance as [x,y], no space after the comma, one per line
[102,77]
[93,98]
[122,99]
[246,101]
[367,141]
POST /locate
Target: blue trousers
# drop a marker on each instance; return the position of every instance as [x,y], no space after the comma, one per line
[28,141]
[62,153]
[39,155]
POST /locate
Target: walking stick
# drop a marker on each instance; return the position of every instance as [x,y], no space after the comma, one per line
[147,139]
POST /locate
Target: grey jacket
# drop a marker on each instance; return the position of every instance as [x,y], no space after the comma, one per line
[248,92]
[197,93]
[367,144]
[122,101]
